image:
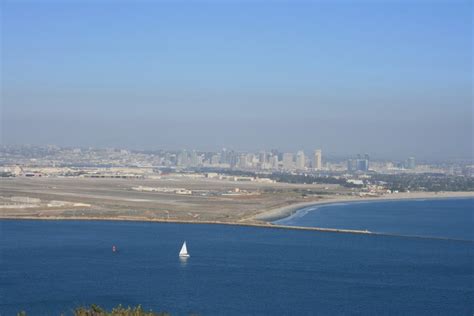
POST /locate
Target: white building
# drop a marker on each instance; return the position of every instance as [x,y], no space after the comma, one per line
[288,163]
[300,160]
[317,159]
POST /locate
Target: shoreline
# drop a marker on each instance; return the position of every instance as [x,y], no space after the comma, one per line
[265,219]
[289,210]
[239,224]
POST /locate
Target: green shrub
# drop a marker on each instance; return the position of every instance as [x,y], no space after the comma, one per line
[95,310]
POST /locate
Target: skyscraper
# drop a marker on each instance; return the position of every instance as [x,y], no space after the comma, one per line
[359,164]
[352,165]
[411,163]
[274,161]
[288,161]
[300,161]
[182,159]
[224,158]
[193,159]
[317,159]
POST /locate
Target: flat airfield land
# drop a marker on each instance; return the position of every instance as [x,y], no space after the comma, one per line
[103,198]
[211,200]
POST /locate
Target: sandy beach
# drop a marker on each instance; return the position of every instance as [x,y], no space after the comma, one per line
[282,212]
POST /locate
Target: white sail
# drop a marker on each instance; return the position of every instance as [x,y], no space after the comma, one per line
[184,251]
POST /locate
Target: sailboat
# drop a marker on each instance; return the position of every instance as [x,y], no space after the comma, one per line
[184,251]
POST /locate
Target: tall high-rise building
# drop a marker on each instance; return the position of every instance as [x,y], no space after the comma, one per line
[244,161]
[252,160]
[233,159]
[317,159]
[193,159]
[300,161]
[182,159]
[362,165]
[288,163]
[224,158]
[359,164]
[352,165]
[274,161]
[411,163]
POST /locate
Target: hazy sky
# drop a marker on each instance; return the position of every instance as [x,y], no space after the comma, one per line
[392,78]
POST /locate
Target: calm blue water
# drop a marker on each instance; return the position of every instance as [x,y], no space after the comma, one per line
[50,267]
[450,218]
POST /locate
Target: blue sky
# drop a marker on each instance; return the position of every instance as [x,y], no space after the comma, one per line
[391,78]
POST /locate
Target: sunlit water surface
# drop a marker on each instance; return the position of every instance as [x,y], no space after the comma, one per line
[445,218]
[49,267]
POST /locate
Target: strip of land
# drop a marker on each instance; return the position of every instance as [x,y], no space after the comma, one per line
[174,199]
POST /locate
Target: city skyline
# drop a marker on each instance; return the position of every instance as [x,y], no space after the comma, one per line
[309,154]
[34,161]
[245,76]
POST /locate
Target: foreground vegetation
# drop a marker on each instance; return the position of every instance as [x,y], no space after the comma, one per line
[95,310]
